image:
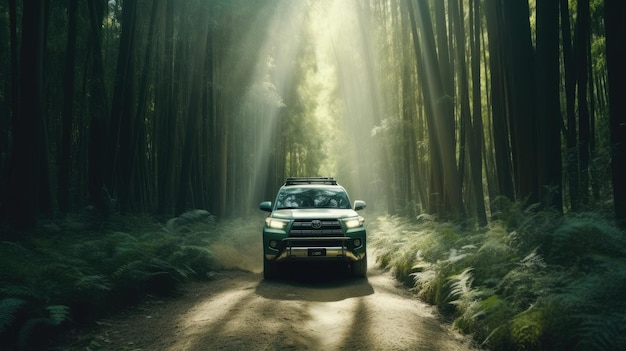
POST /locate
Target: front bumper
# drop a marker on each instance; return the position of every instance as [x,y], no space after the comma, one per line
[317,249]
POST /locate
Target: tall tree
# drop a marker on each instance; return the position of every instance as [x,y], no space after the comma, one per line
[165,115]
[446,193]
[477,138]
[615,17]
[15,67]
[415,187]
[582,48]
[121,128]
[65,156]
[499,82]
[520,96]
[28,134]
[192,123]
[141,186]
[473,139]
[569,68]
[513,71]
[435,201]
[99,195]
[548,106]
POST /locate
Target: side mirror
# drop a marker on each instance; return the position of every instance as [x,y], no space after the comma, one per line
[359,205]
[266,206]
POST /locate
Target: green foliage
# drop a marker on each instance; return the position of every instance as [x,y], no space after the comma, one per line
[72,271]
[532,280]
[8,309]
[29,335]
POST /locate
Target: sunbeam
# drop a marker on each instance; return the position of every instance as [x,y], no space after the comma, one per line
[314,98]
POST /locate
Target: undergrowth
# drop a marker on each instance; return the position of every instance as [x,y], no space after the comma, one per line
[78,269]
[531,280]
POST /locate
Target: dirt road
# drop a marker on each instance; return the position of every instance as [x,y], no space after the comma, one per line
[312,309]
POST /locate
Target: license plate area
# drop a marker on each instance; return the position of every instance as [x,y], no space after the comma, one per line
[317,252]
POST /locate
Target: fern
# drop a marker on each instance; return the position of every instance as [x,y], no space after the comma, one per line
[8,308]
[190,222]
[92,252]
[92,283]
[131,272]
[92,265]
[28,334]
[22,291]
[15,261]
[197,260]
[58,314]
[527,328]
[160,265]
[461,288]
[476,307]
[578,238]
[427,283]
[580,302]
[603,332]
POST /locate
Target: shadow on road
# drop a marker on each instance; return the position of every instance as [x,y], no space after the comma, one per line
[315,283]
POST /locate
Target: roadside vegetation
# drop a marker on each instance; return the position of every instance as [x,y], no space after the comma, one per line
[76,270]
[530,280]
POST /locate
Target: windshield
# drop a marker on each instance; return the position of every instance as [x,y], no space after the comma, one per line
[297,197]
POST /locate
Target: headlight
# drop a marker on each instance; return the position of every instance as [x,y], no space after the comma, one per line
[354,222]
[275,223]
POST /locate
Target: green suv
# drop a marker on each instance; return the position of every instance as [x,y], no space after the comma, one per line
[313,220]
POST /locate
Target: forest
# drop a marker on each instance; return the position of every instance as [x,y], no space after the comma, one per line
[499,124]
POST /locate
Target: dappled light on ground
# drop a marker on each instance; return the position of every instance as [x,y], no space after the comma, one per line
[254,314]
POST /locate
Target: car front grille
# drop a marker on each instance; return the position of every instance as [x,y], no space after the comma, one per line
[316,243]
[306,228]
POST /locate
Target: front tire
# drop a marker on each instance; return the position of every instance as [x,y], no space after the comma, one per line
[270,269]
[359,268]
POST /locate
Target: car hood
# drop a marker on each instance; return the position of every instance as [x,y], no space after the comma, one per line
[314,213]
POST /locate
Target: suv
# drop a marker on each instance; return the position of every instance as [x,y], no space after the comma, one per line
[312,220]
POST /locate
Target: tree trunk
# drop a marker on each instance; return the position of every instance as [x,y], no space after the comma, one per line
[582,51]
[15,67]
[141,182]
[65,157]
[472,142]
[548,104]
[409,114]
[28,133]
[446,189]
[165,118]
[193,118]
[521,106]
[435,202]
[499,82]
[121,131]
[477,139]
[98,189]
[569,67]
[615,17]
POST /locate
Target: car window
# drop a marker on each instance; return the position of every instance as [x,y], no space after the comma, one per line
[312,198]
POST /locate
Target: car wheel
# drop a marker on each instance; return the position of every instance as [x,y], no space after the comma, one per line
[270,269]
[359,268]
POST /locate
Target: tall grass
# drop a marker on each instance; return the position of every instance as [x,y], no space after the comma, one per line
[531,280]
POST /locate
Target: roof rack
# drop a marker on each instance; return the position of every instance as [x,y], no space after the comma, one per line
[310,180]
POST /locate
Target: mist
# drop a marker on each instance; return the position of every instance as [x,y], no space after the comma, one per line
[314,84]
